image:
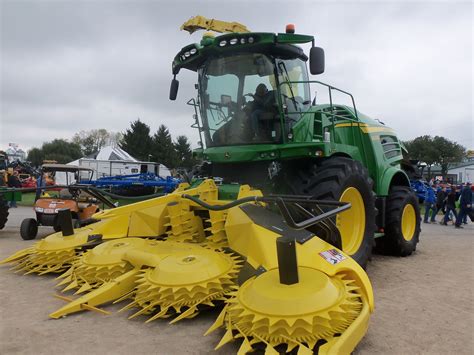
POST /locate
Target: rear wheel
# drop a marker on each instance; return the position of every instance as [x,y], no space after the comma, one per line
[3,211]
[29,229]
[347,180]
[402,227]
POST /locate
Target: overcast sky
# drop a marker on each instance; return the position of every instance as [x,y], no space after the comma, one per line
[76,65]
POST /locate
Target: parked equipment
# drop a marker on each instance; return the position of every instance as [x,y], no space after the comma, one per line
[136,184]
[284,260]
[81,205]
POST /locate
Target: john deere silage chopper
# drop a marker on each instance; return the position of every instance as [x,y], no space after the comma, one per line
[285,264]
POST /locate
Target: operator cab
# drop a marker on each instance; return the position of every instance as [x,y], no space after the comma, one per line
[252,87]
[241,95]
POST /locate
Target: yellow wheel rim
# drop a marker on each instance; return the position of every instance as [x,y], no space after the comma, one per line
[408,222]
[351,223]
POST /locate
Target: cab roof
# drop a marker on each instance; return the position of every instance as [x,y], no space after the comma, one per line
[194,55]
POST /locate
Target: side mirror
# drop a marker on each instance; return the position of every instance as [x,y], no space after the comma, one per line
[174,89]
[316,60]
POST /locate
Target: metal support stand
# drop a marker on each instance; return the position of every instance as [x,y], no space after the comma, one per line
[65,221]
[287,263]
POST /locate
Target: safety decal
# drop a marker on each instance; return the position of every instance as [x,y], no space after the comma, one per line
[332,256]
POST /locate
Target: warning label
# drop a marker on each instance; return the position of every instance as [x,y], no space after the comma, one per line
[332,256]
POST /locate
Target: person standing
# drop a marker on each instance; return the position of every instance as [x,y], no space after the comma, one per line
[2,178]
[430,204]
[41,182]
[450,206]
[465,204]
[14,181]
[440,198]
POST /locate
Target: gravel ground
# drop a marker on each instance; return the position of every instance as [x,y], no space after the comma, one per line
[423,306]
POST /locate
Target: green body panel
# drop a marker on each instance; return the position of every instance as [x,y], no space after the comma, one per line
[361,140]
[320,132]
[228,191]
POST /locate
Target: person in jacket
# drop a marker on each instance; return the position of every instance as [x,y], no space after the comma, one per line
[465,204]
[450,206]
[41,182]
[430,204]
[440,199]
[2,179]
[14,181]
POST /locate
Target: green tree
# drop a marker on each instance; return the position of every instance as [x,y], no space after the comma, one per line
[92,141]
[163,150]
[421,148]
[61,150]
[448,152]
[437,150]
[35,157]
[136,140]
[184,155]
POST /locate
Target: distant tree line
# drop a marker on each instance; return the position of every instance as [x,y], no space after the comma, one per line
[159,147]
[137,141]
[435,151]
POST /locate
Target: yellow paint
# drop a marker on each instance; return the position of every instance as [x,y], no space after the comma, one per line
[408,222]
[202,23]
[351,223]
[365,127]
[190,269]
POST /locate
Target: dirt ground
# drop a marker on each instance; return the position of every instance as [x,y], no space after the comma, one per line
[424,305]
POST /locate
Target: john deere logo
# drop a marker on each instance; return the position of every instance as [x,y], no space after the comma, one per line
[227,155]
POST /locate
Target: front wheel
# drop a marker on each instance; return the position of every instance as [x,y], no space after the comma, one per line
[402,227]
[29,229]
[346,180]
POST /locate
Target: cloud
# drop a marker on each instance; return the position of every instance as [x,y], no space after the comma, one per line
[68,66]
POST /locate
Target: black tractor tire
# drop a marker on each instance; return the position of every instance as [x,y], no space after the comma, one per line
[29,229]
[402,232]
[3,211]
[328,181]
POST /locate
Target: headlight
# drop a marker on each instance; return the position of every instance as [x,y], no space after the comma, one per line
[187,54]
[39,209]
[193,51]
[222,43]
[233,41]
[251,39]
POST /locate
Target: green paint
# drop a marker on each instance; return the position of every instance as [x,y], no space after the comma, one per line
[10,194]
[318,130]
[228,191]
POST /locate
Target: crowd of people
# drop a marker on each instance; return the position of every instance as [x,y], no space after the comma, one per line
[444,198]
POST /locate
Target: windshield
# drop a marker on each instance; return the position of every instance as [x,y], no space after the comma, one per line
[239,102]
[294,88]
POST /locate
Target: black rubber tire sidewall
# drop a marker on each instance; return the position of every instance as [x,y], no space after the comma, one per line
[328,180]
[3,211]
[393,242]
[28,229]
